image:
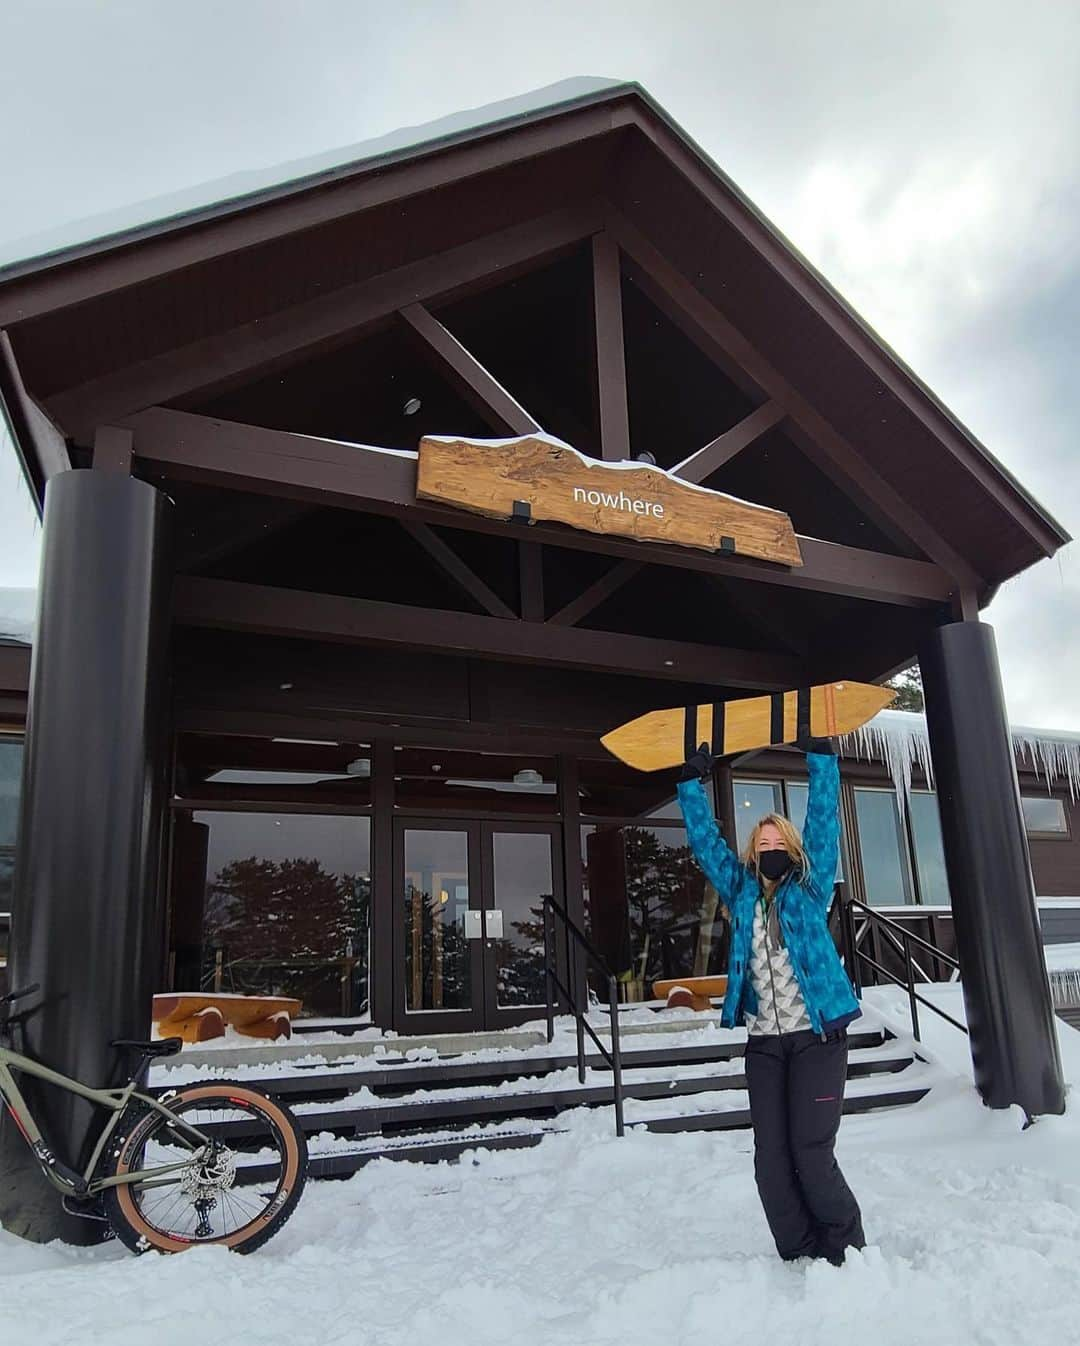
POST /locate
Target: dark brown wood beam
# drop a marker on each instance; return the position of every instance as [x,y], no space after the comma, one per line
[259,610]
[610,349]
[724,447]
[465,578]
[531,581]
[713,333]
[484,392]
[372,185]
[205,365]
[596,593]
[14,668]
[179,446]
[38,442]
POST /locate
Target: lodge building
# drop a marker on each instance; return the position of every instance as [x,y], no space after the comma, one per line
[300,715]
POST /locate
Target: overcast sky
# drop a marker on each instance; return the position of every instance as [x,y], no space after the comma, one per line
[925,156]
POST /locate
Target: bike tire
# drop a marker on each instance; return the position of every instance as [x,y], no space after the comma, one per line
[141,1126]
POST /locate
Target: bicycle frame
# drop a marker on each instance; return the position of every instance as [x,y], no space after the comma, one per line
[66,1180]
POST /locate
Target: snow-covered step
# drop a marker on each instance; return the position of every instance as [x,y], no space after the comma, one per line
[387,1078]
[366,1114]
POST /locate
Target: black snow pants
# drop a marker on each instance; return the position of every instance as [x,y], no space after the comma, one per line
[796,1085]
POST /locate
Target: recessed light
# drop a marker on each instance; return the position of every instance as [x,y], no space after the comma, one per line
[286,686]
[412,406]
[669,663]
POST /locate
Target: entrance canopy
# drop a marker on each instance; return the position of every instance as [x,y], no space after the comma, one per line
[570,265]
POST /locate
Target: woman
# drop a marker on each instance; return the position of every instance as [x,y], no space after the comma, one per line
[786,982]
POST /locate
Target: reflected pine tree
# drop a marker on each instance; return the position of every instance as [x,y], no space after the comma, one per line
[289,927]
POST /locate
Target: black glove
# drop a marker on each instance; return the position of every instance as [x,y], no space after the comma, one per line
[699,765]
[825,746]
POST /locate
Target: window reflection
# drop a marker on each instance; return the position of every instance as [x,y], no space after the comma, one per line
[1044,813]
[650,911]
[267,903]
[883,847]
[929,849]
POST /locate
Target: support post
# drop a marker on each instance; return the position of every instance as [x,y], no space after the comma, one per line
[1009,1011]
[88,916]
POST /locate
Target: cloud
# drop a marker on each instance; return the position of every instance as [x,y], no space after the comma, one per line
[925,157]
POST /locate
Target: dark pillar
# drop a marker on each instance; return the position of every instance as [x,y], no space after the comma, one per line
[87,922]
[999,945]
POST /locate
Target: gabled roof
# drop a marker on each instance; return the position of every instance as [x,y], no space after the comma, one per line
[222,196]
[671,197]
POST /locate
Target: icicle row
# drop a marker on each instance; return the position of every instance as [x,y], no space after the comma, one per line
[899,739]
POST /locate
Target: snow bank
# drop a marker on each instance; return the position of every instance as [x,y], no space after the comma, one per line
[974,1228]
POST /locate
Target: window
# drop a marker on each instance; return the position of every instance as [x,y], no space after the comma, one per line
[929,851]
[1044,816]
[885,865]
[270,903]
[650,910]
[754,799]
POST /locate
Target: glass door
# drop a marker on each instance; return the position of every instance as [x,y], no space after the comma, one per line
[439,926]
[469,927]
[522,865]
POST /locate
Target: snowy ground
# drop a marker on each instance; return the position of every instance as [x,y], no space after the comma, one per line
[974,1228]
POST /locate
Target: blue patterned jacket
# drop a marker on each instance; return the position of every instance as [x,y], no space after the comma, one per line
[801,906]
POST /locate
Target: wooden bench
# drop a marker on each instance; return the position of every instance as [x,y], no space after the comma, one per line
[692,992]
[198,1018]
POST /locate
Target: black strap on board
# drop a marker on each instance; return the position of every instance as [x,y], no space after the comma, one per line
[690,731]
[776,717]
[718,729]
[802,713]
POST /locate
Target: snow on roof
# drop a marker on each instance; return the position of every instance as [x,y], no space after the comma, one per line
[299,173]
[899,739]
[17,611]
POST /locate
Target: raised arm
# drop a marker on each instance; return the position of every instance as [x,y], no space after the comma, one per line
[718,861]
[821,831]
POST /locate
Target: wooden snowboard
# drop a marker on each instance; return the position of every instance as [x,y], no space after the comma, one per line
[664,738]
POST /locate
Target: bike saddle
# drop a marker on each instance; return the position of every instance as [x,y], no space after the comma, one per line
[159,1046]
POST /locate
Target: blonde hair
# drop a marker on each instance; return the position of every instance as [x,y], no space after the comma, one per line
[791,838]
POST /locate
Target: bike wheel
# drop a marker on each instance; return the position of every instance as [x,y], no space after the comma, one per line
[236,1191]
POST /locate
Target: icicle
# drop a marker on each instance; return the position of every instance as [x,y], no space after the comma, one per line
[1065,988]
[899,739]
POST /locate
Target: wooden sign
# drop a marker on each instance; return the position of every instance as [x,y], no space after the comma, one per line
[542,478]
[664,738]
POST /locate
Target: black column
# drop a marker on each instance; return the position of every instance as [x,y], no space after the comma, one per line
[87,922]
[999,945]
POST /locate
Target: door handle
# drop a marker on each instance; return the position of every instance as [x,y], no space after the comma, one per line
[473,923]
[493,920]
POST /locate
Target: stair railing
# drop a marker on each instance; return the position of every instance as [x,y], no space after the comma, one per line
[576,944]
[902,941]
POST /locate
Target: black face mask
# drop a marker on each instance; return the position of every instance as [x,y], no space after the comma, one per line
[773,864]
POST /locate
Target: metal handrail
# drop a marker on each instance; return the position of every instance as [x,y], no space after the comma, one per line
[853,953]
[553,981]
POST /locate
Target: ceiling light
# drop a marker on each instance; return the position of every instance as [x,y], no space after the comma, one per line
[412,406]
